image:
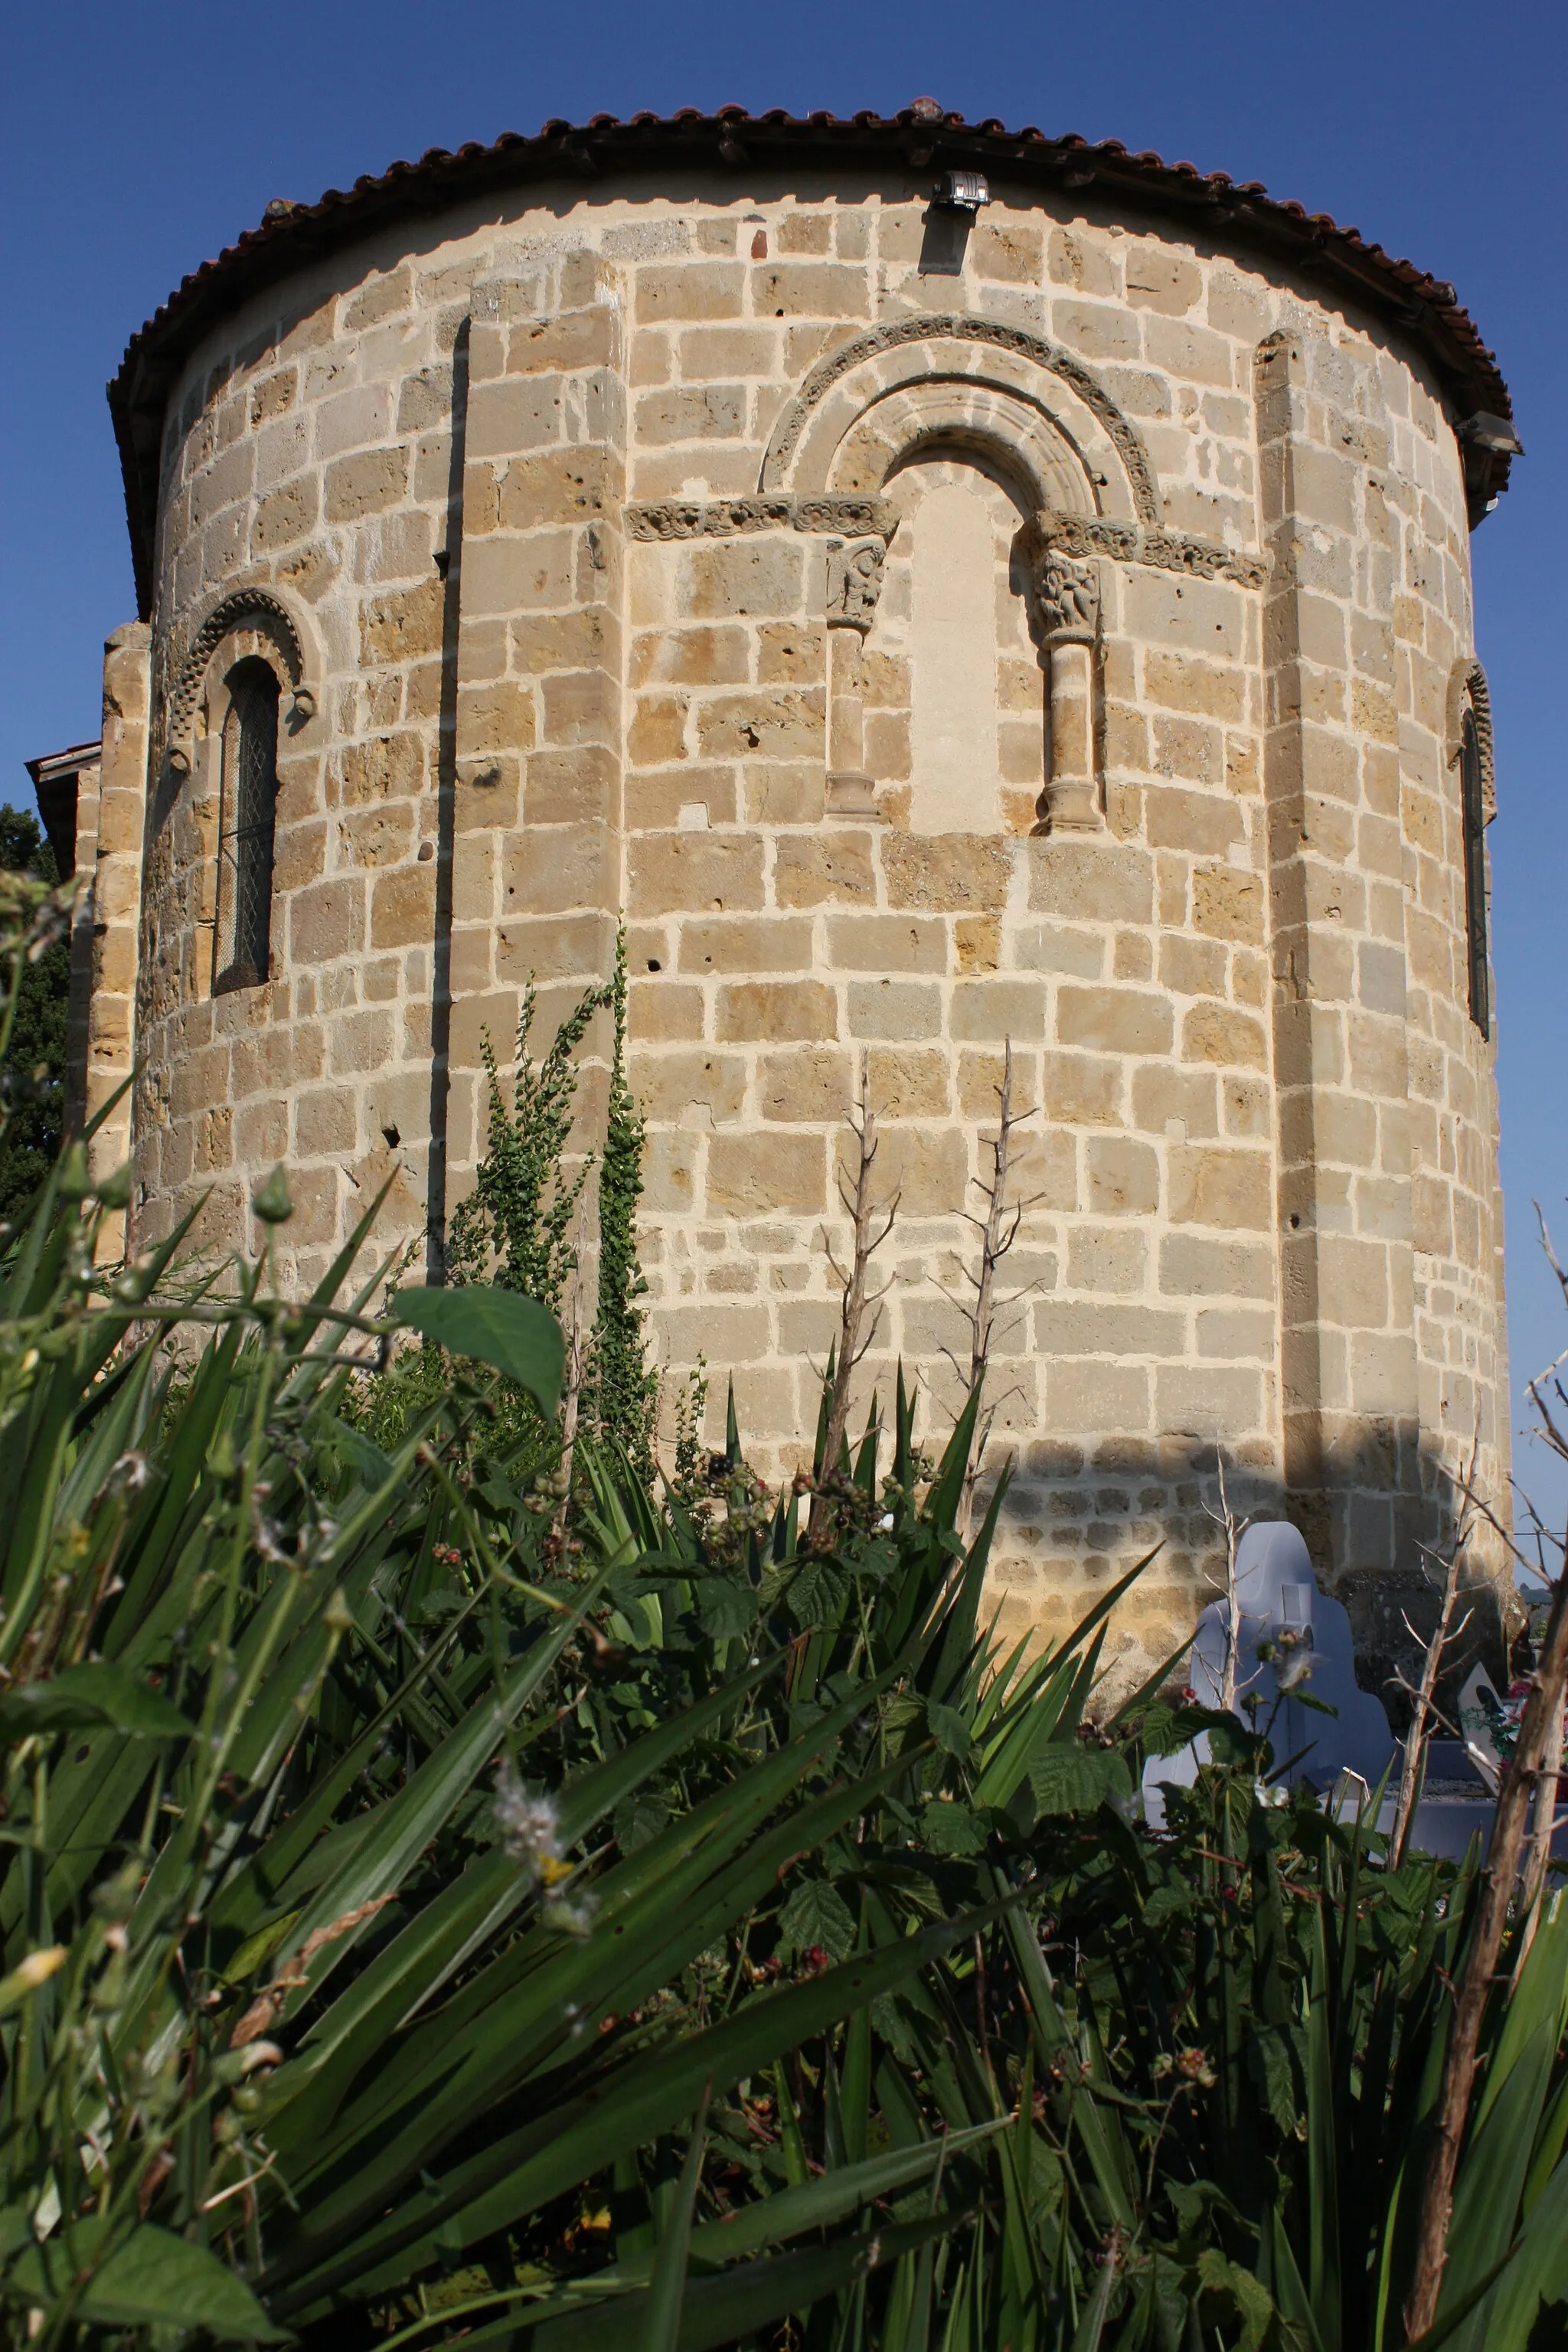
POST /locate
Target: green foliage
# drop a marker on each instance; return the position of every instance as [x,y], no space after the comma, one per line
[441,1905]
[515,1227]
[413,1923]
[623,1392]
[516,1336]
[33,1064]
[513,1232]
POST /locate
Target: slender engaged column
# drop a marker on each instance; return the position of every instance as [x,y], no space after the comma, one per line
[1068,595]
[854,584]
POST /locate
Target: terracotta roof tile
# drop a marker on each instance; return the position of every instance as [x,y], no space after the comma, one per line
[291,234]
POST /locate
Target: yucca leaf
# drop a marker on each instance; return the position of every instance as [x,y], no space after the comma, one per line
[632,2103]
[660,2330]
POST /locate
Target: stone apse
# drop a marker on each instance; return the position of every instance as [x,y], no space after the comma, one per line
[938,586]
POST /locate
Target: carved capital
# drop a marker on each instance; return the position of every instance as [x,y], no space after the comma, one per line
[1067,591]
[854,583]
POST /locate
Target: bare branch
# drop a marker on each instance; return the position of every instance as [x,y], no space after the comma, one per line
[997,1236]
[1537,1750]
[1413,1768]
[861,1314]
[575,1356]
[1234,1528]
[1544,1822]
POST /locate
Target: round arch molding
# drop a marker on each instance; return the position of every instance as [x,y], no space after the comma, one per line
[1468,684]
[963,379]
[258,609]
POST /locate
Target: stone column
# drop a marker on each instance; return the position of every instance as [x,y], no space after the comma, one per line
[853,584]
[117,905]
[1348,1361]
[1067,591]
[537,801]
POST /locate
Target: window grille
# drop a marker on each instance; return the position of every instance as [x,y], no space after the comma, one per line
[1475,820]
[245,843]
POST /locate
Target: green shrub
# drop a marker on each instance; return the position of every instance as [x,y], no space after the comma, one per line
[441,1907]
[622,1394]
[33,1063]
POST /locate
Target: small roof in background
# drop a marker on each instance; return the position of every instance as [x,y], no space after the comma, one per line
[55,775]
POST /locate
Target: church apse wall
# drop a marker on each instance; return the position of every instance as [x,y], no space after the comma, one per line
[1046,624]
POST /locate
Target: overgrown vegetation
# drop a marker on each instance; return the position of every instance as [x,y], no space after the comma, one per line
[448,1901]
[515,1228]
[623,1392]
[32,1073]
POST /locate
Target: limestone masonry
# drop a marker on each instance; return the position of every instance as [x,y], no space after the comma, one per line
[944,586]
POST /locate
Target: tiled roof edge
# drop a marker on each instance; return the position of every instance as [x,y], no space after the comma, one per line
[1425,308]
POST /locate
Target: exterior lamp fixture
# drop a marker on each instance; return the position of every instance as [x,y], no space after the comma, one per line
[1484,431]
[1486,444]
[963,192]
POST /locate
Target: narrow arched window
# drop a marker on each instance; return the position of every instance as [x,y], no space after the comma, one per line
[1473,798]
[245,827]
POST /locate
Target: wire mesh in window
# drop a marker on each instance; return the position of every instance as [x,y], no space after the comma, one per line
[250,808]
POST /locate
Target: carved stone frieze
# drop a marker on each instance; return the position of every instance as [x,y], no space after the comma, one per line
[855,583]
[724,518]
[1082,536]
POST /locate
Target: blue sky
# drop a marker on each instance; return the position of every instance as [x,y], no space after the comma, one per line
[136,142]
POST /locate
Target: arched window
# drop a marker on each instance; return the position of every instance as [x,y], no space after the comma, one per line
[1472,795]
[248,805]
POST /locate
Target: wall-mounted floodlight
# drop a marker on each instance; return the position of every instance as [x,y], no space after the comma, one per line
[1486,444]
[1484,431]
[963,192]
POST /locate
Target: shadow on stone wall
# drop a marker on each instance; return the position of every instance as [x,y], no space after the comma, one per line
[1065,1533]
[450,559]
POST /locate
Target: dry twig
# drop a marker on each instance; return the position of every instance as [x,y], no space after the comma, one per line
[1540,1734]
[1234,1528]
[575,1358]
[855,1332]
[1411,1773]
[998,1230]
[1545,1822]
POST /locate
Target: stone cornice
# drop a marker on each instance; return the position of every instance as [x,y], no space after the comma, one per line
[851,517]
[1162,550]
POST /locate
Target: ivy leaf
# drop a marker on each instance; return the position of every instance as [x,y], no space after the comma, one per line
[515,1336]
[1248,2295]
[953,1828]
[639,1818]
[152,2280]
[815,1914]
[1165,1730]
[88,1697]
[725,1607]
[1068,1778]
[1273,2062]
[1229,1743]
[817,1592]
[1166,1906]
[1188,2205]
[948,1728]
